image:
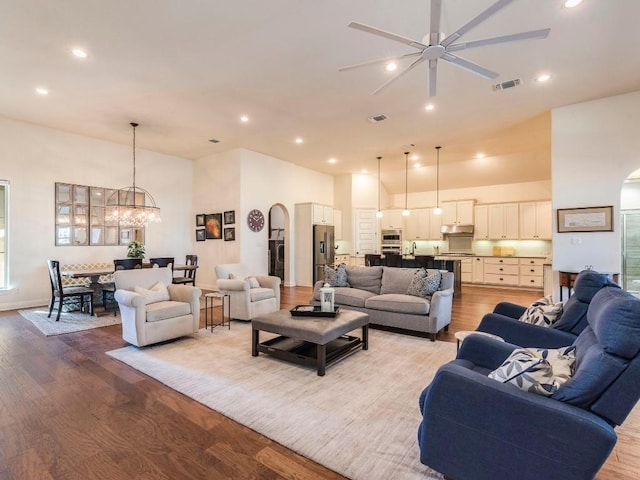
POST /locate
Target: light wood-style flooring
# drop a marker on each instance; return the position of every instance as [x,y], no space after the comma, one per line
[68,411]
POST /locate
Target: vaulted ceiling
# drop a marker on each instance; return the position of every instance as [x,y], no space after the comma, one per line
[187,71]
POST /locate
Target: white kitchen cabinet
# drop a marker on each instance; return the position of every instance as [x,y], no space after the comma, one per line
[435,226]
[481,229]
[458,213]
[477,270]
[503,221]
[422,224]
[502,271]
[337,224]
[531,272]
[391,219]
[536,220]
[342,258]
[322,214]
[466,267]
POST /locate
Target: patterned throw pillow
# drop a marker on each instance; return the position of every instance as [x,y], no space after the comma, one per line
[157,293]
[537,370]
[542,312]
[424,284]
[337,277]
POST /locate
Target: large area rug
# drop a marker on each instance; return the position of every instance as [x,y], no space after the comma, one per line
[68,323]
[360,420]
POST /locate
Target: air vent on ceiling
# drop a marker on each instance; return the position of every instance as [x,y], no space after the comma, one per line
[377,118]
[213,140]
[507,84]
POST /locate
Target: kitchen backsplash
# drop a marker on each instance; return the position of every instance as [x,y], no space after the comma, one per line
[523,248]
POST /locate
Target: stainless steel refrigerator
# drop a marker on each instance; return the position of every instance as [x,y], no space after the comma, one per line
[323,247]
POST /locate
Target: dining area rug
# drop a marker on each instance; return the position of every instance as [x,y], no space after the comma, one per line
[69,321]
[360,419]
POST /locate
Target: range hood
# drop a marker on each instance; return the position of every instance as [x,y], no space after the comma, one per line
[459,230]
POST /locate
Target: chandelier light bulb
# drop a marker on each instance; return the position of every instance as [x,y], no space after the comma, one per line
[379,214]
[437,211]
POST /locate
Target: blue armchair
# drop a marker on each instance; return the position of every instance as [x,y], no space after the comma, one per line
[477,428]
[503,321]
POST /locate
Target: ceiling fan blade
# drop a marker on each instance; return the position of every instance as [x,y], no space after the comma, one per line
[398,75]
[389,35]
[499,5]
[379,60]
[516,37]
[470,66]
[434,27]
[432,77]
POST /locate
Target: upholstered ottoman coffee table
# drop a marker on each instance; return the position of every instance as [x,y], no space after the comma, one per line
[312,341]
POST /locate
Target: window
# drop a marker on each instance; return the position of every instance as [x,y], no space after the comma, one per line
[4,214]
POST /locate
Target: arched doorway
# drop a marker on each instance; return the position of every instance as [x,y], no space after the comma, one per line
[279,242]
[630,232]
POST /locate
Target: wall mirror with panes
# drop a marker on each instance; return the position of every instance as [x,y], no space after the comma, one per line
[81,213]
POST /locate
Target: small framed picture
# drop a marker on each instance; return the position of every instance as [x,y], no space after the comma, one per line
[213,226]
[200,220]
[200,235]
[229,217]
[229,234]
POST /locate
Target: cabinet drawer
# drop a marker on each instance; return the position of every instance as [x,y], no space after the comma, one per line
[531,281]
[501,261]
[465,277]
[531,270]
[501,269]
[500,279]
[532,261]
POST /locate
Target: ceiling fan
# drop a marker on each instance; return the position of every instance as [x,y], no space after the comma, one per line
[431,49]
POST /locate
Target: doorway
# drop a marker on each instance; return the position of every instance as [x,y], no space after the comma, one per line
[630,224]
[277,252]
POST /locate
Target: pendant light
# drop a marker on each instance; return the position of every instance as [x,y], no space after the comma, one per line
[132,206]
[437,210]
[406,212]
[379,213]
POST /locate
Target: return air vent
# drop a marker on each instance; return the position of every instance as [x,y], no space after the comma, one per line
[377,118]
[507,84]
[213,140]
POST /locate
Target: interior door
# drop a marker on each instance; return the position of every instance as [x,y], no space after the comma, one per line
[631,250]
[366,231]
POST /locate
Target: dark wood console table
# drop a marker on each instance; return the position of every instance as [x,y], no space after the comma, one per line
[567,280]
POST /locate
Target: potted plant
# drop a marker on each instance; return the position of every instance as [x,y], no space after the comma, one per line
[135,250]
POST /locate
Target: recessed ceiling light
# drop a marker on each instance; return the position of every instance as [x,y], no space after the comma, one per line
[480,155]
[79,53]
[416,165]
[364,171]
[42,91]
[299,140]
[332,160]
[391,66]
[429,107]
[244,119]
[543,78]
[572,3]
[415,156]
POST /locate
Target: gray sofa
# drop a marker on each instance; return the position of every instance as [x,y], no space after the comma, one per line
[381,292]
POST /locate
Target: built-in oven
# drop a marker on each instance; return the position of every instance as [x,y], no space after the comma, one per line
[391,241]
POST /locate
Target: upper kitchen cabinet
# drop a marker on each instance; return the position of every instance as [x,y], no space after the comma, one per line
[391,219]
[481,229]
[337,224]
[422,224]
[536,220]
[503,221]
[322,214]
[457,213]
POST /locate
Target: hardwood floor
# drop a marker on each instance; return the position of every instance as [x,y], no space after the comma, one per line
[68,411]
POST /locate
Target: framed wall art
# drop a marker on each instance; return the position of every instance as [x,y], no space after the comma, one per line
[200,220]
[213,226]
[229,217]
[587,219]
[229,234]
[201,235]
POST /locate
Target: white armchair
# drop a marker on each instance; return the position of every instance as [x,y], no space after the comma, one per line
[247,302]
[151,315]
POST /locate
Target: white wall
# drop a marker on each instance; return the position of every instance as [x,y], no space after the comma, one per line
[33,158]
[595,146]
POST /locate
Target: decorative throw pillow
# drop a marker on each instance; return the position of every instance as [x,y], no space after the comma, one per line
[537,370]
[253,282]
[337,277]
[424,284]
[542,312]
[157,293]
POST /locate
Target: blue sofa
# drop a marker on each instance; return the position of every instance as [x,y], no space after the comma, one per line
[474,427]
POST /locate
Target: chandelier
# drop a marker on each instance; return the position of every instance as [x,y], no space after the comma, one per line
[134,206]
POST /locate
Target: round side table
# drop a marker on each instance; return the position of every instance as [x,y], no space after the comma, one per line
[462,334]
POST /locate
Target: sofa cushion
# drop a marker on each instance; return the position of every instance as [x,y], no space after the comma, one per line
[396,280]
[257,294]
[614,317]
[399,303]
[157,293]
[337,277]
[537,370]
[164,310]
[365,278]
[424,284]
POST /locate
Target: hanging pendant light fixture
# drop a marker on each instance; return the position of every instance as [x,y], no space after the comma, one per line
[134,206]
[406,212]
[437,210]
[379,213]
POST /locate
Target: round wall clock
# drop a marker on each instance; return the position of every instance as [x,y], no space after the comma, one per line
[255,220]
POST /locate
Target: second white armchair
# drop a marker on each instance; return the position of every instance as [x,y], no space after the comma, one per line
[249,295]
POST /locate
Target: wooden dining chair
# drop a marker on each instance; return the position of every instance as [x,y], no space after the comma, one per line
[59,292]
[189,275]
[162,262]
[109,289]
[127,263]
